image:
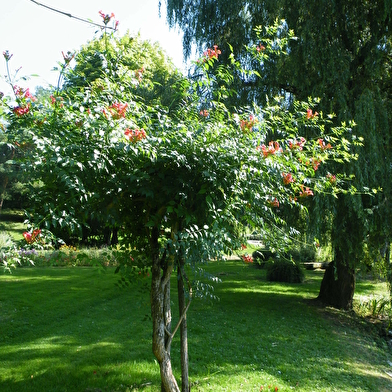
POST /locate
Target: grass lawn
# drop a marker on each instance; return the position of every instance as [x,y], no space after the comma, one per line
[72,329]
[11,221]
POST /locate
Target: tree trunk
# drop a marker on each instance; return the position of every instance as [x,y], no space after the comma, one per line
[158,306]
[338,284]
[183,327]
[5,183]
[167,318]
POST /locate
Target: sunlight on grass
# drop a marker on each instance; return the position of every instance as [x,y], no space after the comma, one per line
[14,229]
[72,329]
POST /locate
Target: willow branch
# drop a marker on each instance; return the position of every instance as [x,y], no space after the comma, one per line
[72,16]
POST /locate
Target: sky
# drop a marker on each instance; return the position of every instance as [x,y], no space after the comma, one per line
[36,36]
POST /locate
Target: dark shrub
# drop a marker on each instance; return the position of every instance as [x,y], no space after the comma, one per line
[283,270]
[261,256]
[299,255]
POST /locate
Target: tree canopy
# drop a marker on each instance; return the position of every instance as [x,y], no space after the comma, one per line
[341,55]
[182,184]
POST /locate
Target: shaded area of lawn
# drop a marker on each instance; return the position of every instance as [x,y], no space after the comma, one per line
[280,338]
[72,329]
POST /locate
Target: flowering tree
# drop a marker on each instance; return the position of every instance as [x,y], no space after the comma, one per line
[181,184]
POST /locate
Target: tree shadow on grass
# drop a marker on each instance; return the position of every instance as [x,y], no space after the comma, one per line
[73,330]
[270,331]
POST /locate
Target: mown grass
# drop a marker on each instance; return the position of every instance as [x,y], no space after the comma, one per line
[73,329]
[11,222]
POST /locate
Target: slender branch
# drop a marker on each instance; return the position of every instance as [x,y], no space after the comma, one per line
[72,16]
[167,274]
[171,334]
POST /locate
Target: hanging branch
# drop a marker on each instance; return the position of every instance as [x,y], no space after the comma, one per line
[171,334]
[72,16]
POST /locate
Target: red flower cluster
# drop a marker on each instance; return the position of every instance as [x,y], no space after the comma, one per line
[67,57]
[269,387]
[310,114]
[287,178]
[272,148]
[7,55]
[118,110]
[260,48]
[134,135]
[273,203]
[31,237]
[139,73]
[247,259]
[247,125]
[204,113]
[331,178]
[294,144]
[211,53]
[21,110]
[56,101]
[315,163]
[106,18]
[324,146]
[22,96]
[305,192]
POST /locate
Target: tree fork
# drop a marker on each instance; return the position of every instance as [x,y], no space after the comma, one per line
[183,308]
[158,286]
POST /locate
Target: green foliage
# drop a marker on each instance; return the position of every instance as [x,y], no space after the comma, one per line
[182,184]
[303,254]
[375,307]
[136,66]
[11,256]
[342,55]
[284,270]
[198,174]
[300,254]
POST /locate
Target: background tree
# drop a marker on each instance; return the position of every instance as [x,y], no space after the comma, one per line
[13,184]
[342,55]
[131,68]
[142,67]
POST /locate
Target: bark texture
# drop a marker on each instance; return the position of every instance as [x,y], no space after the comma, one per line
[338,284]
[160,318]
[183,328]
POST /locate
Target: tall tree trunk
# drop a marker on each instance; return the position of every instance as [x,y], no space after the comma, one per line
[348,232]
[338,284]
[183,327]
[167,317]
[5,180]
[4,187]
[160,344]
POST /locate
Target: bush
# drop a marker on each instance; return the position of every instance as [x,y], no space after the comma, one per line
[299,255]
[11,255]
[262,256]
[303,254]
[282,270]
[69,256]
